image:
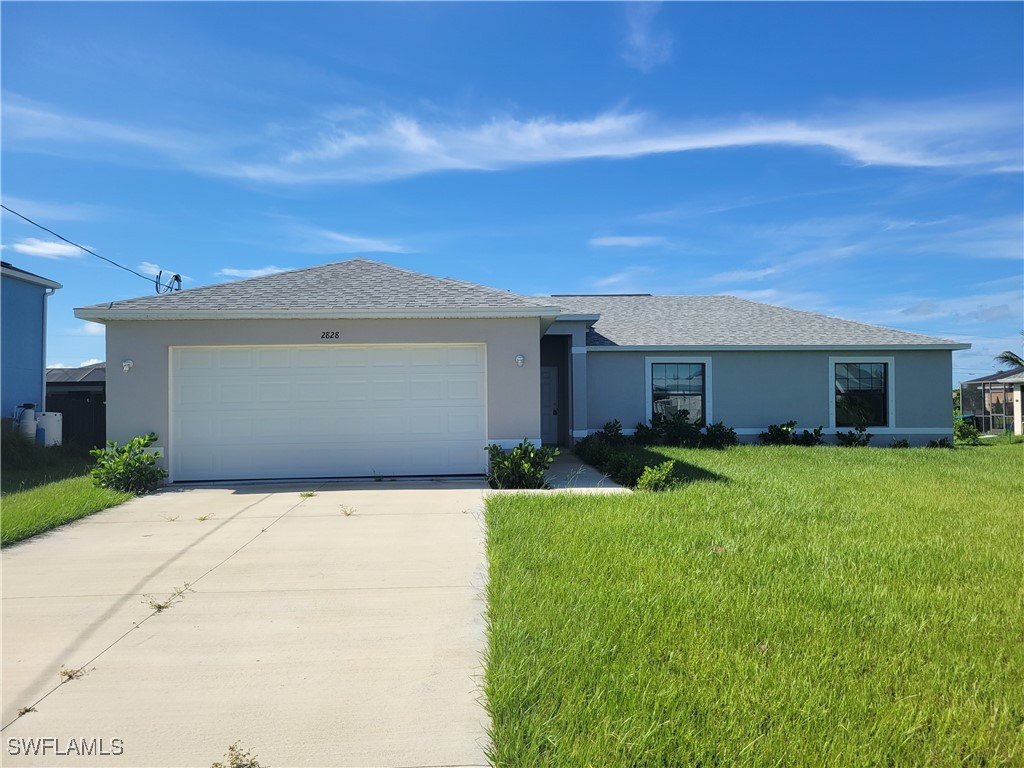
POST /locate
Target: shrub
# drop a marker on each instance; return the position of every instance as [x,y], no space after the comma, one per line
[719,436]
[624,468]
[809,439]
[522,467]
[594,450]
[611,433]
[858,437]
[646,435]
[658,478]
[965,433]
[127,468]
[942,442]
[678,430]
[900,444]
[778,434]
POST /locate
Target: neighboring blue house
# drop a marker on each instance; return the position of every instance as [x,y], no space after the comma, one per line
[23,325]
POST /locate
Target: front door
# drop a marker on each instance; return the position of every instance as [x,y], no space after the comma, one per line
[549,404]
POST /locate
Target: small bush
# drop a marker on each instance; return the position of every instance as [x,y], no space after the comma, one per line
[128,468]
[778,434]
[611,433]
[678,430]
[965,433]
[942,442]
[719,436]
[809,439]
[522,467]
[594,450]
[645,435]
[900,444]
[858,437]
[657,478]
[236,758]
[625,469]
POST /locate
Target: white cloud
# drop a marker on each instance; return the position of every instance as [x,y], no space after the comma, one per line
[90,361]
[646,48]
[49,211]
[329,241]
[259,272]
[970,134]
[740,275]
[46,249]
[629,280]
[57,365]
[90,329]
[149,268]
[635,241]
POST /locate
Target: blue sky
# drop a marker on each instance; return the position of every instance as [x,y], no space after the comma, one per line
[862,160]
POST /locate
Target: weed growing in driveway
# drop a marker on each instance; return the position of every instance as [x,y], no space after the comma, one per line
[25,710]
[204,518]
[236,758]
[70,673]
[347,511]
[307,494]
[162,605]
[170,518]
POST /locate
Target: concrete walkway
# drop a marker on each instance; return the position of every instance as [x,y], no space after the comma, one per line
[343,629]
[568,473]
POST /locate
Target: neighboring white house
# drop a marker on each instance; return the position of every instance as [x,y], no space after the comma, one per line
[359,369]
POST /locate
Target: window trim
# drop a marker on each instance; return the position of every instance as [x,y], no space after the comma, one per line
[649,382]
[890,388]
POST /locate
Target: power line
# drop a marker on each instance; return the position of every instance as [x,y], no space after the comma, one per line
[176,280]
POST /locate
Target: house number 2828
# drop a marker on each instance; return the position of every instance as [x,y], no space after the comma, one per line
[329,335]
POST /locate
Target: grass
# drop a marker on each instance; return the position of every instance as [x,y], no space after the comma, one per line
[28,513]
[43,488]
[788,606]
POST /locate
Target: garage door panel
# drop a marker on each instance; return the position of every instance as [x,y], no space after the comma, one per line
[328,411]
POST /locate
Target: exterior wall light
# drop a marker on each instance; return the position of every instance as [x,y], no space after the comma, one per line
[127,365]
[520,360]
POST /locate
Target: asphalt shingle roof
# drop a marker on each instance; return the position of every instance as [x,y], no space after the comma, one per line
[709,321]
[357,284]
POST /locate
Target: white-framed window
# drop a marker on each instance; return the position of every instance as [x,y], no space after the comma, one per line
[674,384]
[862,392]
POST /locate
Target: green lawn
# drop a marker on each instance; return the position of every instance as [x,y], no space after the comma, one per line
[790,606]
[43,488]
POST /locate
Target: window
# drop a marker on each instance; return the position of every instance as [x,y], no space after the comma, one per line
[862,394]
[677,387]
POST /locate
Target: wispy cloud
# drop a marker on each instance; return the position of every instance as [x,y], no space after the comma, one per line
[740,276]
[318,240]
[645,47]
[971,135]
[627,241]
[46,249]
[258,272]
[629,280]
[89,329]
[149,268]
[90,361]
[43,211]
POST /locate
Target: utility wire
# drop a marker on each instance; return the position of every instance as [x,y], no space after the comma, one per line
[147,278]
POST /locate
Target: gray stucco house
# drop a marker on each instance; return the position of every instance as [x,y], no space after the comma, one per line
[359,369]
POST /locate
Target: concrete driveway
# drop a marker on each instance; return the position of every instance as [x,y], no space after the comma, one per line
[342,629]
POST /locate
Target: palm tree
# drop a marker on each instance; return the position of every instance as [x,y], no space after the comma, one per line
[1010,358]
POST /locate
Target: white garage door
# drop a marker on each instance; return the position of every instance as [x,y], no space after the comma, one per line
[327,411]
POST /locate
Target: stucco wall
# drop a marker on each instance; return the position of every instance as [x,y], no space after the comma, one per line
[22,364]
[750,390]
[137,400]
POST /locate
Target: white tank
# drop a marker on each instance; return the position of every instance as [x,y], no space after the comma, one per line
[27,423]
[51,428]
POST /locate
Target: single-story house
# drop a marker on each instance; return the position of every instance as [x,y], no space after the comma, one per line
[23,326]
[994,401]
[360,369]
[80,394]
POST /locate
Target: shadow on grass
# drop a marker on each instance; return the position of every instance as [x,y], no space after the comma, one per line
[683,472]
